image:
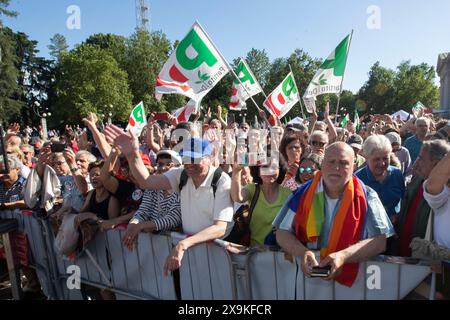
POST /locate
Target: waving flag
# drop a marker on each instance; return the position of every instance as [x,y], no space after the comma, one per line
[193,69]
[138,119]
[328,79]
[252,87]
[283,98]
[182,114]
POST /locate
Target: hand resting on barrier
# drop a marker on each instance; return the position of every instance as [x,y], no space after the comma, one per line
[133,229]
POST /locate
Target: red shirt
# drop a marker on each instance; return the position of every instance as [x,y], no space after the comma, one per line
[406,236]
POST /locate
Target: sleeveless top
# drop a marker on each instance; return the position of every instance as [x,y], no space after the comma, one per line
[99,208]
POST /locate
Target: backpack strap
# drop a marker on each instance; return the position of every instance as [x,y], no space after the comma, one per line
[215,180]
[183,179]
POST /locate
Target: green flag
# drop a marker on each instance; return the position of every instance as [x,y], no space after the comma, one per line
[328,79]
[356,122]
[345,120]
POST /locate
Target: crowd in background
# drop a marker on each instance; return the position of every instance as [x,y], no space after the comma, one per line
[95,178]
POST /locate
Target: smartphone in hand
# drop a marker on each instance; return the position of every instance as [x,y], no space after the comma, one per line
[320,272]
[58,147]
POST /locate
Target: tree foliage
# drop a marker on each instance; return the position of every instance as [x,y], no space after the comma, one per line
[90,80]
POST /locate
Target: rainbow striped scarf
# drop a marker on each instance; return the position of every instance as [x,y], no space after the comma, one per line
[348,222]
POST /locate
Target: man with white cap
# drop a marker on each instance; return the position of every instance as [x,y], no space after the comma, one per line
[401,152]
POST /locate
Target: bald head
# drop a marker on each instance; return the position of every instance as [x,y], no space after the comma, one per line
[340,147]
[337,168]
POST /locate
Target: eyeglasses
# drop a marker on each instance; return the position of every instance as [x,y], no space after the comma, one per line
[318,143]
[307,170]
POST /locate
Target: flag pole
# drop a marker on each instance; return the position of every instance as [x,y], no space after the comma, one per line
[228,65]
[342,81]
[298,93]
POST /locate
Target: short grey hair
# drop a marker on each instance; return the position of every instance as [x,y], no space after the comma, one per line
[13,162]
[318,133]
[90,157]
[423,119]
[437,148]
[376,142]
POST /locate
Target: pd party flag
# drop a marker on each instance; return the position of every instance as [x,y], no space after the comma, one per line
[248,80]
[193,69]
[182,114]
[328,79]
[283,98]
[138,119]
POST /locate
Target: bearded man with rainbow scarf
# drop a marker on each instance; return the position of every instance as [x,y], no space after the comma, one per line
[336,214]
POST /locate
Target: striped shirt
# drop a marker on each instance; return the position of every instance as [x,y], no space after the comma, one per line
[14,193]
[163,210]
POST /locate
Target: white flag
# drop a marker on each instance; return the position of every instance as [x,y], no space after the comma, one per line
[193,69]
[328,79]
[248,80]
[283,98]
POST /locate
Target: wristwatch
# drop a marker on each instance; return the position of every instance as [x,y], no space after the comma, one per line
[74,169]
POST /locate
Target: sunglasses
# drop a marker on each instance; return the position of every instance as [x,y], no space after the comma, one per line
[307,170]
[318,143]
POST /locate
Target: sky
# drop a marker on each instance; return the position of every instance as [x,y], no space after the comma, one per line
[384,30]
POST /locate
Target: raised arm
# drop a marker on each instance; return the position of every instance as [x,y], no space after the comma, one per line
[80,181]
[439,176]
[99,138]
[150,137]
[219,116]
[332,133]
[129,146]
[109,182]
[237,193]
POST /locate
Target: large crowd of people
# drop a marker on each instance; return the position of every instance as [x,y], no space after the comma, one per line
[350,192]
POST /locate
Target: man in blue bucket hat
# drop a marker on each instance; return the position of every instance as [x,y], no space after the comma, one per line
[206,206]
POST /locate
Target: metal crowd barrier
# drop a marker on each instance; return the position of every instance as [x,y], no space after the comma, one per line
[39,255]
[208,271]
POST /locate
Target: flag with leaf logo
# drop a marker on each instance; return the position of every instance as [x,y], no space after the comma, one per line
[248,80]
[283,98]
[138,119]
[194,67]
[328,79]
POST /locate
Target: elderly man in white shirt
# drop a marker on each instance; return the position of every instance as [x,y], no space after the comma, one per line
[206,211]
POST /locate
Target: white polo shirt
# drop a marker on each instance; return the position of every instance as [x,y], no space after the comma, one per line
[199,207]
[440,203]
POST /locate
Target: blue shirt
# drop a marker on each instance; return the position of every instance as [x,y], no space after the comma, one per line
[13,193]
[390,191]
[413,144]
[376,221]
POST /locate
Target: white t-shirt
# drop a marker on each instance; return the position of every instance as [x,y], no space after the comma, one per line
[199,207]
[440,203]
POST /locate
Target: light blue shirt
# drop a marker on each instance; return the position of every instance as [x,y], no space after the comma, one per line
[376,222]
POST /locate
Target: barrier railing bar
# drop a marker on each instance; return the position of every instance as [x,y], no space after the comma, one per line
[128,293]
[158,291]
[139,267]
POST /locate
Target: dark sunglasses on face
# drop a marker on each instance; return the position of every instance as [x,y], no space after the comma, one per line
[318,143]
[307,170]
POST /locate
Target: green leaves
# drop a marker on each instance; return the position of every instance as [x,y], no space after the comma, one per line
[203,77]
